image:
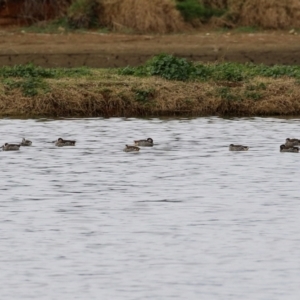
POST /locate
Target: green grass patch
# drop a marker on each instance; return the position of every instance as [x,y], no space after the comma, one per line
[30,70]
[175,68]
[30,78]
[30,86]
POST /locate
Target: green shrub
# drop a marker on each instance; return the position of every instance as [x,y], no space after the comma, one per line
[174,68]
[83,14]
[170,67]
[193,9]
[203,72]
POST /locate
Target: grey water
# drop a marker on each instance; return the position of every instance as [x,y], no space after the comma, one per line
[185,219]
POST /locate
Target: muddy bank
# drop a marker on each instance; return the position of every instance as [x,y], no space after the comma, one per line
[115,50]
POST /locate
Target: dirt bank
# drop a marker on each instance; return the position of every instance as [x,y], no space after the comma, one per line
[117,50]
[105,93]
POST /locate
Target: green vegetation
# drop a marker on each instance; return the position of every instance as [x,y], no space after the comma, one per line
[193,9]
[30,70]
[165,66]
[30,78]
[30,86]
[143,96]
[225,93]
[83,14]
[170,67]
[165,85]
[174,68]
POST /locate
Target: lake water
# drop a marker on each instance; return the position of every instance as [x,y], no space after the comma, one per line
[186,219]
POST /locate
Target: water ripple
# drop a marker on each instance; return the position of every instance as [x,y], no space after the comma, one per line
[182,219]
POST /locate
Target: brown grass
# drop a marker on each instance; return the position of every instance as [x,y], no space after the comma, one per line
[269,14]
[159,16]
[111,95]
[220,4]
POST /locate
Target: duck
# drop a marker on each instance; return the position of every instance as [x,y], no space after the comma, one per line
[144,143]
[284,148]
[61,142]
[238,148]
[292,142]
[131,149]
[10,147]
[26,142]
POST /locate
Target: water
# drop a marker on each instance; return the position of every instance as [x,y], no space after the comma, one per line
[186,219]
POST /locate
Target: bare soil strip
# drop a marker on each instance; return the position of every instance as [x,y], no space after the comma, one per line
[118,50]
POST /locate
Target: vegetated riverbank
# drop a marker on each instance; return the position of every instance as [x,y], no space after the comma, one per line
[164,86]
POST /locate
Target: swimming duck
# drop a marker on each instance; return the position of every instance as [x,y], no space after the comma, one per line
[238,148]
[292,142]
[61,142]
[144,143]
[26,142]
[131,149]
[284,148]
[10,147]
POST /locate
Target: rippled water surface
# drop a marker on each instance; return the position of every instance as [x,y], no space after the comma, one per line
[186,219]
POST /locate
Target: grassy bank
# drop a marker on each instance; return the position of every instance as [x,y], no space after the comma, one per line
[165,86]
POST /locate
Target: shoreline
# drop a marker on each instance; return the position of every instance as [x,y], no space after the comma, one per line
[104,93]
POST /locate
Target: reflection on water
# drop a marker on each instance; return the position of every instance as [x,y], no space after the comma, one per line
[186,219]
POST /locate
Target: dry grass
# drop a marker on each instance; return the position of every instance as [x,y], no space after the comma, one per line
[220,4]
[159,16]
[270,14]
[113,95]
